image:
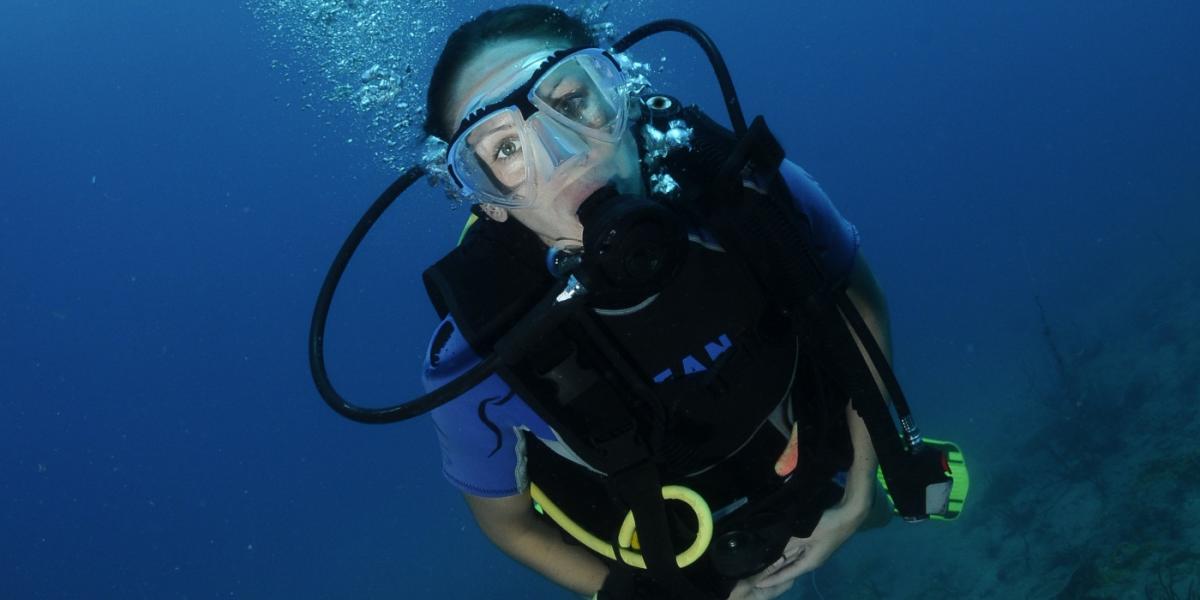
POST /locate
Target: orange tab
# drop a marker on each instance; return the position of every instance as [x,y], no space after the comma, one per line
[791,455]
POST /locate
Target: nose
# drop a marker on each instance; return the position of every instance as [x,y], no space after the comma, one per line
[560,143]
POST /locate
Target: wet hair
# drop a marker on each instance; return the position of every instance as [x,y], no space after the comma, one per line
[523,21]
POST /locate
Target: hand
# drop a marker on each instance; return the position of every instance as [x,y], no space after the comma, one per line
[802,555]
[748,589]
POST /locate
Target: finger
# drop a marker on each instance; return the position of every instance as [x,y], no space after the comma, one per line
[775,566]
[808,561]
[771,570]
[775,591]
[791,553]
[795,546]
[805,563]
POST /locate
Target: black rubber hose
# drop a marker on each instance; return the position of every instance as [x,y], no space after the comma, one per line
[736,119]
[316,333]
[464,382]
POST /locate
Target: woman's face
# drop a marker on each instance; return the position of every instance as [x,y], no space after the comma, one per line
[551,212]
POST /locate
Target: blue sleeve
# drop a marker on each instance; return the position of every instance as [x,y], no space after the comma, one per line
[834,239]
[481,450]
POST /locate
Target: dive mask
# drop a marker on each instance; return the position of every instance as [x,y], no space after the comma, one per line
[505,149]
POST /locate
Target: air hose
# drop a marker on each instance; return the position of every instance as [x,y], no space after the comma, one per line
[627,536]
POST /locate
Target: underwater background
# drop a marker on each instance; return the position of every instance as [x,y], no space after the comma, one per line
[177,177]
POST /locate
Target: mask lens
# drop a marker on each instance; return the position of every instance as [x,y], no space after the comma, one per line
[498,158]
[489,159]
[584,92]
[557,144]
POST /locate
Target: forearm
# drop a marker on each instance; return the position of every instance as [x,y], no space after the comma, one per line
[860,478]
[867,296]
[539,546]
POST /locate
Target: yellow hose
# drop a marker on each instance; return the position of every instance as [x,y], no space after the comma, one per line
[627,536]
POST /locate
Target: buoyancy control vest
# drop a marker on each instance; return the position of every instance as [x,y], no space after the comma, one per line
[718,353]
[717,349]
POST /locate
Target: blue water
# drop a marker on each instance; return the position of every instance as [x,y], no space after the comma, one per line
[178,175]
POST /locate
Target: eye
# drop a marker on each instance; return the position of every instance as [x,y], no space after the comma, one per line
[506,149]
[572,105]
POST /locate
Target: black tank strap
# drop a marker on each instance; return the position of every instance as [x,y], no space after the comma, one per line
[612,423]
[770,235]
[492,279]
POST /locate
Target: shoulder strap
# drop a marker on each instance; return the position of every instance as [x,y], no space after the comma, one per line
[487,283]
[767,232]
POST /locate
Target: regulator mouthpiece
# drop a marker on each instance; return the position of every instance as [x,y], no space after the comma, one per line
[632,247]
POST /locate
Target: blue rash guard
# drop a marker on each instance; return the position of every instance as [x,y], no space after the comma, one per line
[483,451]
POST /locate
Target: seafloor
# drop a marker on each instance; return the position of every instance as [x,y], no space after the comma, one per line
[1086,486]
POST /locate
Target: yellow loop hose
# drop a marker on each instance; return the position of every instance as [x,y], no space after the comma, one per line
[627,535]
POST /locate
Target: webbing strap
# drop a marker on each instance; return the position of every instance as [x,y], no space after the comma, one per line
[768,230]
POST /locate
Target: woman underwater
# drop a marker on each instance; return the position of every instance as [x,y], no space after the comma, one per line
[538,123]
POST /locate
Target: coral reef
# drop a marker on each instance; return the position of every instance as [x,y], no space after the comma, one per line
[1093,494]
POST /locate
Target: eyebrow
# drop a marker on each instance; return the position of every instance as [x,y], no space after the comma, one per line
[574,75]
[488,132]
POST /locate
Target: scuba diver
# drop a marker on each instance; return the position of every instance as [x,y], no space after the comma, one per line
[662,369]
